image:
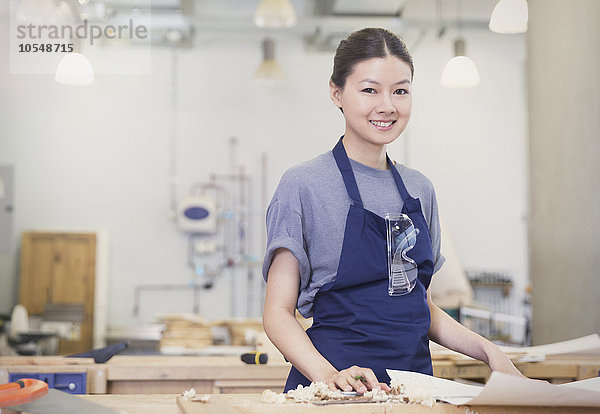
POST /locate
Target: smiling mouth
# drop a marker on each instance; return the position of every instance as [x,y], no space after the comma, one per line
[382,124]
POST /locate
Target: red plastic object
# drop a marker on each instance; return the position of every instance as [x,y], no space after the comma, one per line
[23,391]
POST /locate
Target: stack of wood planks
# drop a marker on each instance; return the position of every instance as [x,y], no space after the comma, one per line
[189,331]
[243,330]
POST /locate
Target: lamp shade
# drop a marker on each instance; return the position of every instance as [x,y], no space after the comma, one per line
[74,69]
[275,14]
[460,71]
[269,72]
[509,16]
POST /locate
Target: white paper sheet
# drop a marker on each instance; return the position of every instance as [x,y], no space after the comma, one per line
[441,389]
[586,345]
[503,389]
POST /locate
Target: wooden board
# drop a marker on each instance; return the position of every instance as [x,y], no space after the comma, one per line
[216,404]
[59,268]
[44,360]
[190,367]
[138,404]
[251,404]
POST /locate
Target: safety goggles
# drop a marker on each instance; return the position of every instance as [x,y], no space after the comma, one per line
[401,238]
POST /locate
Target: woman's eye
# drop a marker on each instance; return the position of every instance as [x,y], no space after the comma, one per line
[368,90]
[400,91]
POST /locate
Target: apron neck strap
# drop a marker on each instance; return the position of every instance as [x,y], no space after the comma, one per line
[399,183]
[343,163]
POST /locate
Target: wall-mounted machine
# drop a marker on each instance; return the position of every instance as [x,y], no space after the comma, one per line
[197,214]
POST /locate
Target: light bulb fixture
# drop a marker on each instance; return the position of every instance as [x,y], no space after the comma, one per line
[269,72]
[74,69]
[275,14]
[460,71]
[509,16]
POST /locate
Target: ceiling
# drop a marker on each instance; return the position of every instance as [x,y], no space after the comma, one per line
[322,22]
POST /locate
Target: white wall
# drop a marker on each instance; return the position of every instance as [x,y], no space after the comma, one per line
[472,143]
[97,157]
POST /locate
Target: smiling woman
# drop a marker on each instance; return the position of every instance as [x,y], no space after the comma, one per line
[327,246]
[377,103]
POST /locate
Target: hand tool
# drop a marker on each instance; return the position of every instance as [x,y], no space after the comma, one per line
[255,357]
[356,400]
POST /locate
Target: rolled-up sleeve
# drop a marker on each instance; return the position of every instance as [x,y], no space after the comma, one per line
[435,229]
[284,230]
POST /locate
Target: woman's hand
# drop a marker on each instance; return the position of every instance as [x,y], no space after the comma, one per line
[499,361]
[355,378]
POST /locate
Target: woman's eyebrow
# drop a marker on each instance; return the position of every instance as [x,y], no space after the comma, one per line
[367,80]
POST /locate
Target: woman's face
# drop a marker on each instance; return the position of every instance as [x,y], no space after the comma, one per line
[376,100]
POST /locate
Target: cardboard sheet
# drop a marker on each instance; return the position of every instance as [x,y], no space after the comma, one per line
[503,389]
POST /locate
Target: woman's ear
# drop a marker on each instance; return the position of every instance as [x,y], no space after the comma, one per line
[335,93]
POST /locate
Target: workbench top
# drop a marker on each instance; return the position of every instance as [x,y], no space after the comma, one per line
[252,404]
[154,374]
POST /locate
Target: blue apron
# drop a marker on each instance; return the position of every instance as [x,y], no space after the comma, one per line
[355,321]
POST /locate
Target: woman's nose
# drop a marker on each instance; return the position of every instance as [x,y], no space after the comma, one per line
[385,104]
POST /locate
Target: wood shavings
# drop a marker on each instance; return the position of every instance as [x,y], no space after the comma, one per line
[271,397]
[191,393]
[201,398]
[412,393]
[192,396]
[316,391]
[377,395]
[400,393]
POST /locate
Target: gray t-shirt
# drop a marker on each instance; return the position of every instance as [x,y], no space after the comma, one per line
[307,216]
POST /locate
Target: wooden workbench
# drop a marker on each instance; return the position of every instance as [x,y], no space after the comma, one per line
[169,374]
[172,374]
[554,370]
[251,404]
[158,374]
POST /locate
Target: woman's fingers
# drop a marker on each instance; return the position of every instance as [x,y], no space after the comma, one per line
[384,386]
[370,379]
[356,378]
[357,384]
[331,384]
[340,382]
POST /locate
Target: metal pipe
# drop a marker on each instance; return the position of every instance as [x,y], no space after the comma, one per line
[265,204]
[174,132]
[233,306]
[137,291]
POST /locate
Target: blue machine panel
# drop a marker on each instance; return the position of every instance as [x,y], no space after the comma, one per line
[196,213]
[71,382]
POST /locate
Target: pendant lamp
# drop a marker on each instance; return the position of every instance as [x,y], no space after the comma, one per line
[269,72]
[509,16]
[74,69]
[460,71]
[275,14]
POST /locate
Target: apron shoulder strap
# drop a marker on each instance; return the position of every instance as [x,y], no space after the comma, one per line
[399,183]
[343,163]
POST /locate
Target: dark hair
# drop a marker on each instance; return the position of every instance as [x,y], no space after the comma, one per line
[367,44]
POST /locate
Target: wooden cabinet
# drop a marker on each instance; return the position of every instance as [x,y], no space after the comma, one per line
[59,268]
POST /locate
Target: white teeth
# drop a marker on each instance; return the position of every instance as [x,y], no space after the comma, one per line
[382,124]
